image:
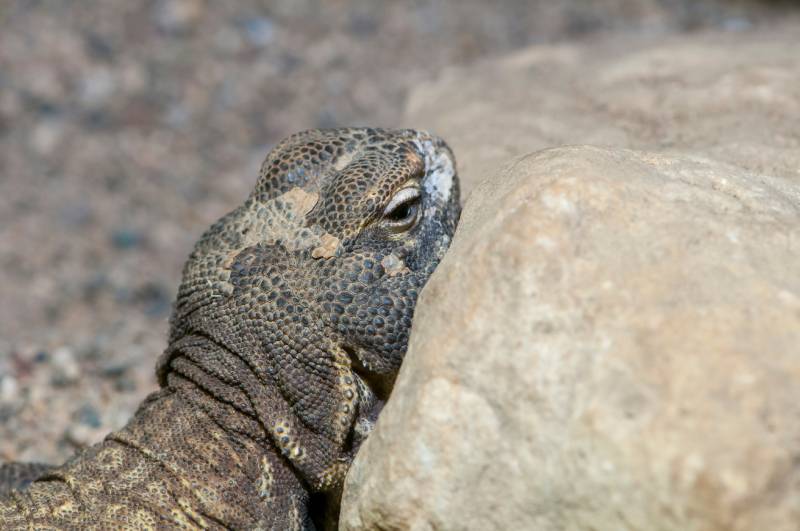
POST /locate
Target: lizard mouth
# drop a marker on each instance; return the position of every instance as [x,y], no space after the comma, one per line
[373,390]
[380,384]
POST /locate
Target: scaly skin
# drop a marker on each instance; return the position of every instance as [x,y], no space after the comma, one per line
[290,324]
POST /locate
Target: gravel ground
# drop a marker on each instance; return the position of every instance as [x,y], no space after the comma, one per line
[126,128]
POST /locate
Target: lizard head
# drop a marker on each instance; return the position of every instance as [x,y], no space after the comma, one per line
[315,277]
[393,204]
[388,203]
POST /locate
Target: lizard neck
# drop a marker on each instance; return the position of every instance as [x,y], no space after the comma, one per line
[235,378]
[235,391]
[172,465]
[199,453]
[215,460]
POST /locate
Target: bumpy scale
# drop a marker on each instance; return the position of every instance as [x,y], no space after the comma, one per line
[290,323]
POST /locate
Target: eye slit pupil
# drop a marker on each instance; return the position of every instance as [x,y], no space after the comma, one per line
[401,212]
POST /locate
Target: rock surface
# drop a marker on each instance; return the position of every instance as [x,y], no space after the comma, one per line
[623,353]
[613,340]
[735,97]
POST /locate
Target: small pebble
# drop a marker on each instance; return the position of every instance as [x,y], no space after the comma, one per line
[176,16]
[88,415]
[125,238]
[66,369]
[114,370]
[259,31]
[8,388]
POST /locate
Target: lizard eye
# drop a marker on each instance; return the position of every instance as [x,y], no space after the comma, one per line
[403,211]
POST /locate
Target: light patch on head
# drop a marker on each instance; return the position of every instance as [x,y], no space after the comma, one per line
[300,201]
[282,220]
[439,170]
[343,160]
[393,265]
[327,247]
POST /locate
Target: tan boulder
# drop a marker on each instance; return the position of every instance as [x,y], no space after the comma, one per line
[731,96]
[612,342]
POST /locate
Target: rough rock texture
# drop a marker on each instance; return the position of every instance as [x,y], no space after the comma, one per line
[623,352]
[613,340]
[735,97]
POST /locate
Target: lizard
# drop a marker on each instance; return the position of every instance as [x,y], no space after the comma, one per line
[291,321]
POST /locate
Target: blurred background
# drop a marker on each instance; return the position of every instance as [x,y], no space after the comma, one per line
[127,127]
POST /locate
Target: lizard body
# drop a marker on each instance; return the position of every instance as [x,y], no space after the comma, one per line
[289,326]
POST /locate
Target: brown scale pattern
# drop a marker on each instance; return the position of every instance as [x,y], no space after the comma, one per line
[287,332]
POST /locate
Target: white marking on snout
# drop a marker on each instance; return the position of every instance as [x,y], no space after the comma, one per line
[439,170]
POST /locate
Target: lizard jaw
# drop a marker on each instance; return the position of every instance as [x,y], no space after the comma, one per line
[380,383]
[373,391]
